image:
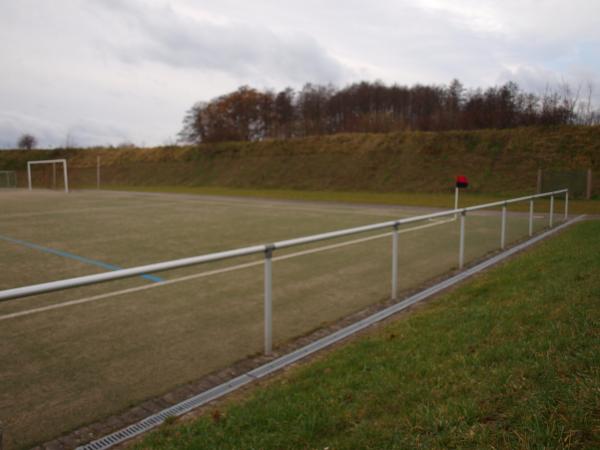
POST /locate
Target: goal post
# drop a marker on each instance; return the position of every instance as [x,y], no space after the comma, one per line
[54,162]
[8,179]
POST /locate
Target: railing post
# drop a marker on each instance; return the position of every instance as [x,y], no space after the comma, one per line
[65,176]
[566,205]
[530,217]
[268,299]
[461,248]
[395,262]
[97,172]
[503,228]
[455,200]
[29,175]
[551,220]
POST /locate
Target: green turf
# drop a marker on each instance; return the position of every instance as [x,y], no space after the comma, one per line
[91,360]
[510,360]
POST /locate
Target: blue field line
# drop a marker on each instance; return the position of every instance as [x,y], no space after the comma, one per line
[82,259]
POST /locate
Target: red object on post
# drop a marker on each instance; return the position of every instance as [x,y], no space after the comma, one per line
[462,181]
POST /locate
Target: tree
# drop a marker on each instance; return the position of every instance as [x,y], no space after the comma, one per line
[193,127]
[454,103]
[373,107]
[284,114]
[313,101]
[27,142]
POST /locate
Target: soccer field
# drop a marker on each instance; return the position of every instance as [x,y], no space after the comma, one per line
[77,356]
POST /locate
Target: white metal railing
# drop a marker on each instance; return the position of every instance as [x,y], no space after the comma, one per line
[268,249]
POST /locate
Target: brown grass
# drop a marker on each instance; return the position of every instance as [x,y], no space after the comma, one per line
[497,161]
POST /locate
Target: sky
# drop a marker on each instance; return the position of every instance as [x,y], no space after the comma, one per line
[106,72]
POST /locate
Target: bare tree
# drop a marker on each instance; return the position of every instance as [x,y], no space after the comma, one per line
[570,100]
[373,107]
[27,142]
[69,140]
[585,113]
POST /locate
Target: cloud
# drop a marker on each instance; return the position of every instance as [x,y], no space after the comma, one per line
[161,34]
[83,133]
[546,20]
[14,125]
[114,70]
[582,84]
[88,132]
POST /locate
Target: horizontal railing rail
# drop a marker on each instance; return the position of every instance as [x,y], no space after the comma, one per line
[268,249]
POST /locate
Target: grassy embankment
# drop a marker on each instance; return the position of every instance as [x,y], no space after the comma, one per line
[510,360]
[382,168]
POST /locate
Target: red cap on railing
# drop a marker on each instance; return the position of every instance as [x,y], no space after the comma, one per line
[462,181]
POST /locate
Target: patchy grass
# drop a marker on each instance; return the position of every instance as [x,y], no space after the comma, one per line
[439,200]
[510,360]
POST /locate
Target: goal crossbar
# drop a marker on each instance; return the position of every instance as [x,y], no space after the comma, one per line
[49,161]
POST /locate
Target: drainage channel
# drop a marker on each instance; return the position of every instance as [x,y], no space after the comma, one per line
[218,391]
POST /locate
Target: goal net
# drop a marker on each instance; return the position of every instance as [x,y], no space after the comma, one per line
[575,180]
[48,174]
[8,179]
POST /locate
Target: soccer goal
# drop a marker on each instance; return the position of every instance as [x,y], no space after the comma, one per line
[53,164]
[8,179]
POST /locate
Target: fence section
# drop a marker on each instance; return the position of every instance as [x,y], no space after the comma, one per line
[271,251]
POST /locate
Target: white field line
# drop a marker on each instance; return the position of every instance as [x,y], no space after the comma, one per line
[213,272]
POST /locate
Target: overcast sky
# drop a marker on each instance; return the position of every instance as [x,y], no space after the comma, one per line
[97,72]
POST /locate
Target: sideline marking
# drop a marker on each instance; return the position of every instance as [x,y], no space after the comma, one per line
[64,254]
[212,272]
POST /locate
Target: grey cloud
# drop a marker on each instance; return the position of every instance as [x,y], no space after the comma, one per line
[50,134]
[114,70]
[92,132]
[163,35]
[538,80]
[13,126]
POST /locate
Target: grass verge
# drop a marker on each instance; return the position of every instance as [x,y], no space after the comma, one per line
[509,360]
[383,198]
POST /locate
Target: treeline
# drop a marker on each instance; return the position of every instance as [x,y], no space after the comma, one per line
[250,115]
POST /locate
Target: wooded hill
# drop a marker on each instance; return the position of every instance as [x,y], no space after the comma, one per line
[496,161]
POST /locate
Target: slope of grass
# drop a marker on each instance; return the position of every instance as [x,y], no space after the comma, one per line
[510,360]
[497,161]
